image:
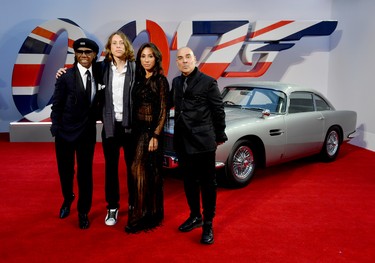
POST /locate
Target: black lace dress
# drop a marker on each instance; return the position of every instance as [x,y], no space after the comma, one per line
[146,209]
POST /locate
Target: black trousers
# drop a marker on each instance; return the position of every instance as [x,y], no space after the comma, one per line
[111,150]
[81,150]
[199,175]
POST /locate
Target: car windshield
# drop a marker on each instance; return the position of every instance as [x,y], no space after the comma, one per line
[255,99]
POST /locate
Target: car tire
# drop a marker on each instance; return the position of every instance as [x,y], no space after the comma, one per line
[331,146]
[241,164]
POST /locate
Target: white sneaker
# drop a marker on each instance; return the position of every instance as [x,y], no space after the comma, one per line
[111,218]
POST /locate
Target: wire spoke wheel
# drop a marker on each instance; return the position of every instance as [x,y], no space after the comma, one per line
[331,146]
[241,164]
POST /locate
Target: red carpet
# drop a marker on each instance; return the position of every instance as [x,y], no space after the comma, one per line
[304,211]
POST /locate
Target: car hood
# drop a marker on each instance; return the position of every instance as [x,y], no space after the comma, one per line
[235,115]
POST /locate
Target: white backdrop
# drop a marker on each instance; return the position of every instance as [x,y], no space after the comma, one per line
[351,81]
[308,62]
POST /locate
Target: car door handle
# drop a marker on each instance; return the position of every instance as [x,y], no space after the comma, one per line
[276,132]
[321,118]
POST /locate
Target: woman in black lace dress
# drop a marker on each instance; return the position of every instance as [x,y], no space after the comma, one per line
[150,96]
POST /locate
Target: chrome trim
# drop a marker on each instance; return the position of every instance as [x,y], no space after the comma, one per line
[352,135]
[219,164]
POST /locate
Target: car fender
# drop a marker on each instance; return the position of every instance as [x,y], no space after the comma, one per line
[266,131]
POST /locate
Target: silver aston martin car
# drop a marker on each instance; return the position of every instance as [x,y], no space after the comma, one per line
[269,123]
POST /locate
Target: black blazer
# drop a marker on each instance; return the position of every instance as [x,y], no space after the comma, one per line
[199,114]
[72,112]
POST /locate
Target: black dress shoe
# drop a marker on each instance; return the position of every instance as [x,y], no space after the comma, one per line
[83,221]
[190,224]
[65,208]
[207,233]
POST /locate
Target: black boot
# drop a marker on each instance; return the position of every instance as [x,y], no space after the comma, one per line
[65,208]
[207,233]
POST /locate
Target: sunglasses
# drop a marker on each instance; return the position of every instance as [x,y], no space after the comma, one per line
[86,52]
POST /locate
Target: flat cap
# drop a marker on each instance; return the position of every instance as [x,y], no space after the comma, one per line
[85,42]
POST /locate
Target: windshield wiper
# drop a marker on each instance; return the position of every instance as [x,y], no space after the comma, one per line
[228,102]
[254,108]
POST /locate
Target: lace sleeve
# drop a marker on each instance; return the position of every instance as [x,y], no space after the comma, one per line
[163,93]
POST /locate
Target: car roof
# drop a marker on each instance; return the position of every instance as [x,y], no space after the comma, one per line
[287,88]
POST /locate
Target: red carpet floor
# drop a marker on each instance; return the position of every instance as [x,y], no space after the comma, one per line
[304,211]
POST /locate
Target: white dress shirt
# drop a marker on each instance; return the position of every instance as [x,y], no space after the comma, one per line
[118,81]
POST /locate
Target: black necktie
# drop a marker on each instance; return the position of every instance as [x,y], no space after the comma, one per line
[184,86]
[88,85]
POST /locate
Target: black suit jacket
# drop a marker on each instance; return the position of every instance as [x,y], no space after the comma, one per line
[199,114]
[72,112]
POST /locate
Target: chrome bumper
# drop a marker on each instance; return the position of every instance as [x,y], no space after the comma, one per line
[171,162]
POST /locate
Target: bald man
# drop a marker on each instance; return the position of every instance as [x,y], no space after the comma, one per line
[199,129]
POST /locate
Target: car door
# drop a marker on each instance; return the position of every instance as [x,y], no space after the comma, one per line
[304,126]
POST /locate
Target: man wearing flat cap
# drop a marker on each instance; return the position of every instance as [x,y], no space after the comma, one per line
[75,107]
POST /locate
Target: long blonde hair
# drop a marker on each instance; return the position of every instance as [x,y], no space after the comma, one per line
[129,51]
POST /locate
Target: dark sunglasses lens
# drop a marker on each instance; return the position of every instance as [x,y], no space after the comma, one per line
[87,52]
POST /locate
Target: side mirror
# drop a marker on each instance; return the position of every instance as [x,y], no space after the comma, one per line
[266,113]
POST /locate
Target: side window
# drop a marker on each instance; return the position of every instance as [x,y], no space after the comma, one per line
[301,102]
[321,104]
